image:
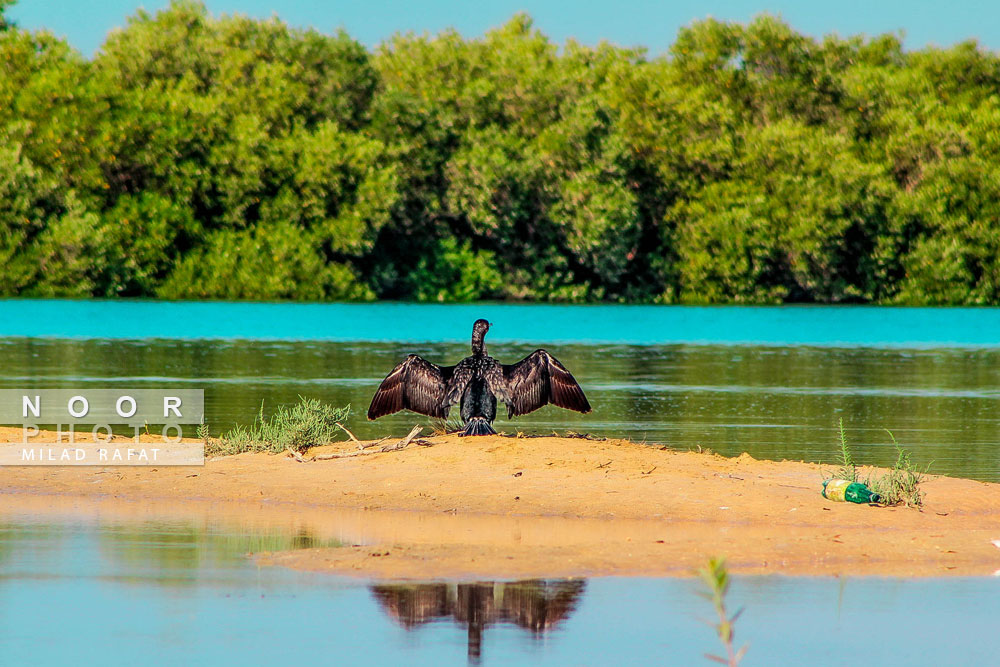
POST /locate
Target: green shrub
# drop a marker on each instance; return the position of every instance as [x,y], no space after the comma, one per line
[900,485]
[309,423]
[202,156]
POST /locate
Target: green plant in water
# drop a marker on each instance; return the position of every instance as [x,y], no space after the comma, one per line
[716,577]
[307,424]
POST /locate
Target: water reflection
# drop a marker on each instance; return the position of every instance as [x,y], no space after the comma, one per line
[536,605]
[77,579]
[176,552]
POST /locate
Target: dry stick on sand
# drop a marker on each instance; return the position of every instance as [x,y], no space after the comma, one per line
[402,444]
[405,442]
[349,434]
[373,443]
[361,446]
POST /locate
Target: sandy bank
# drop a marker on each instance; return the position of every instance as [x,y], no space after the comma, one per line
[499,507]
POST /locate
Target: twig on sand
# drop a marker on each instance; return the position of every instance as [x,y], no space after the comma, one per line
[555,434]
[584,436]
[321,457]
[405,442]
[402,444]
[373,443]
[349,434]
[340,455]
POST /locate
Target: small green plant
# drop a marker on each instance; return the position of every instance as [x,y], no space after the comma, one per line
[900,485]
[847,468]
[204,432]
[716,577]
[308,423]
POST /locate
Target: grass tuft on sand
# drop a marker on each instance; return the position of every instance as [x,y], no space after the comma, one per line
[900,485]
[309,423]
[847,469]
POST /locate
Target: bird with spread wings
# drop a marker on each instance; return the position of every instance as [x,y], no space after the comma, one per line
[476,383]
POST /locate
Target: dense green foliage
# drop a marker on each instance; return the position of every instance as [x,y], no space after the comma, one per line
[202,157]
[308,423]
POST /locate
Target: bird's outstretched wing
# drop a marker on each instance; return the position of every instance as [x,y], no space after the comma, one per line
[414,384]
[539,379]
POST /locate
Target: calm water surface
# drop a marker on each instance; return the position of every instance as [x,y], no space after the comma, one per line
[84,591]
[837,326]
[769,381]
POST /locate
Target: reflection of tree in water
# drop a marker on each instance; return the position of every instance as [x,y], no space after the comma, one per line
[536,605]
[183,552]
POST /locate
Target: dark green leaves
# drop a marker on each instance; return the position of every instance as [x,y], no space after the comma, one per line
[227,157]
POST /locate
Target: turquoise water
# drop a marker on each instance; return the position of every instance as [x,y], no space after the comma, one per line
[82,591]
[828,326]
[685,377]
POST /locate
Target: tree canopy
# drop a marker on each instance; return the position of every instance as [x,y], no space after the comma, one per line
[197,156]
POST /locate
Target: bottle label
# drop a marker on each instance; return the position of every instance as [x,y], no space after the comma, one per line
[835,489]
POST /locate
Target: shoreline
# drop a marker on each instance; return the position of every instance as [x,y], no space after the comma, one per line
[512,508]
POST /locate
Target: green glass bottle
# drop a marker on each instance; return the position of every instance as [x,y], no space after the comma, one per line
[845,491]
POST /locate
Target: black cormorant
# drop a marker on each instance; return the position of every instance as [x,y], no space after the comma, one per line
[477,382]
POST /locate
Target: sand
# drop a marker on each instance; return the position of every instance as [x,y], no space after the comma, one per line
[510,508]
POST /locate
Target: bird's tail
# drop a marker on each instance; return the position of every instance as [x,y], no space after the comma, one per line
[477,426]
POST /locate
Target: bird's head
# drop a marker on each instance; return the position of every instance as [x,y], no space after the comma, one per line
[481,327]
